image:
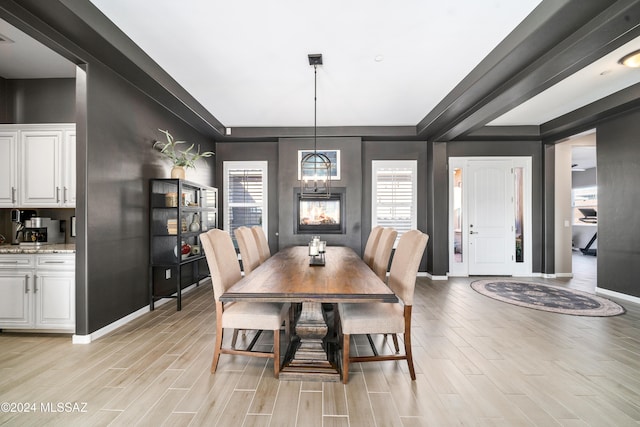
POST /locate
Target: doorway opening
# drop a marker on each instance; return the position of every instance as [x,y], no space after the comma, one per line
[490,216]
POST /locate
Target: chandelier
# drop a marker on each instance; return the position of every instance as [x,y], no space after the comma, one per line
[315,168]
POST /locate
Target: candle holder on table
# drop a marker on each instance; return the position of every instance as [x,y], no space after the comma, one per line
[317,249]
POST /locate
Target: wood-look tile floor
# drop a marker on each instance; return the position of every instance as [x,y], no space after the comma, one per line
[479,362]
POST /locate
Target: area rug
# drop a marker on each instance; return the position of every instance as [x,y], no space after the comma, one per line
[548,298]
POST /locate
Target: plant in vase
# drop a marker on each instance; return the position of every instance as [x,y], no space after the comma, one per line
[181,159]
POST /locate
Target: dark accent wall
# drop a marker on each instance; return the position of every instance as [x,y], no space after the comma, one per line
[252,151]
[618,174]
[122,124]
[394,150]
[534,149]
[5,102]
[351,179]
[42,100]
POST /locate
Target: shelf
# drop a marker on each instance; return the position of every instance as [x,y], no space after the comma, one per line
[173,203]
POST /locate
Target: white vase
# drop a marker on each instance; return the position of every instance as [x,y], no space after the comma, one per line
[177,172]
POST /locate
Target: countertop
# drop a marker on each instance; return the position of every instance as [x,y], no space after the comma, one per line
[62,248]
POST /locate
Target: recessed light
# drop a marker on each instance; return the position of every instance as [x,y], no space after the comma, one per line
[631,60]
[379,58]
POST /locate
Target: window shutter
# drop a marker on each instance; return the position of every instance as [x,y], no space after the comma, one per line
[394,203]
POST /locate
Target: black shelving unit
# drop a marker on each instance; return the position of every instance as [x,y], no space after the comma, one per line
[179,211]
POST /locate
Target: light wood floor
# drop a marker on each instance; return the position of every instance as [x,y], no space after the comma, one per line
[480,362]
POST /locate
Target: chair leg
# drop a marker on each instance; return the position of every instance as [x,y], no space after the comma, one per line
[345,358]
[395,342]
[234,339]
[407,341]
[276,353]
[218,346]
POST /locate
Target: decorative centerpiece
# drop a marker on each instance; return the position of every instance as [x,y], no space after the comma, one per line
[181,159]
[317,249]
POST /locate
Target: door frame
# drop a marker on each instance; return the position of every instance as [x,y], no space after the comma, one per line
[461,269]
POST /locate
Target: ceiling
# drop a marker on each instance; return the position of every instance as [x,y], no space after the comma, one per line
[385,64]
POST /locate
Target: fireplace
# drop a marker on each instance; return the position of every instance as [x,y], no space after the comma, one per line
[320,216]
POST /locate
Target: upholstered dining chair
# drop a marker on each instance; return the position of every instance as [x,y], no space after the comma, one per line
[248,249]
[225,271]
[372,244]
[383,252]
[261,241]
[386,318]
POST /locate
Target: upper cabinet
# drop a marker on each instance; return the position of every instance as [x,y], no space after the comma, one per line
[42,171]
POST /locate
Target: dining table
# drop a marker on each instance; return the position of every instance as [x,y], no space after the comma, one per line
[292,276]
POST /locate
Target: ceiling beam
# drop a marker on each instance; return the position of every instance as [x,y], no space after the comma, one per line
[554,41]
[367,132]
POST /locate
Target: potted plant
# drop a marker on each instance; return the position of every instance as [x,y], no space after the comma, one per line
[181,159]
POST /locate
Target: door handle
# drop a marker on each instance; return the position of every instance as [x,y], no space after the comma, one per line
[473,232]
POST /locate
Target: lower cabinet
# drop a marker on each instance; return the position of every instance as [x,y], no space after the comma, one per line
[37,292]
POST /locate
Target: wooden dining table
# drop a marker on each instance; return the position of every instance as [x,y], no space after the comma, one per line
[287,276]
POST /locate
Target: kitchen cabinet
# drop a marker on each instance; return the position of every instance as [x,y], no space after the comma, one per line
[37,292]
[41,169]
[179,212]
[9,169]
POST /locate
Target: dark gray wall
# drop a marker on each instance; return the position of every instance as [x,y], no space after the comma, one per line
[618,157]
[252,151]
[122,124]
[42,101]
[394,150]
[510,148]
[5,102]
[351,179]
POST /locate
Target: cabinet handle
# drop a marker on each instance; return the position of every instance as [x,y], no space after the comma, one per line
[35,283]
[64,194]
[13,194]
[8,262]
[26,283]
[53,262]
[57,194]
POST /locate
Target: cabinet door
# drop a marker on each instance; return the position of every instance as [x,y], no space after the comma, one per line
[16,290]
[55,300]
[9,169]
[40,184]
[69,170]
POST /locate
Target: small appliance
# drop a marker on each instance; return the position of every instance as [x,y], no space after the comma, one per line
[18,220]
[42,231]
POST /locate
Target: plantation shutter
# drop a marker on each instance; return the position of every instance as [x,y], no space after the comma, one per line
[394,194]
[245,189]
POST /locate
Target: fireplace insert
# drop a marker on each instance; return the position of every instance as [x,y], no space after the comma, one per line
[320,216]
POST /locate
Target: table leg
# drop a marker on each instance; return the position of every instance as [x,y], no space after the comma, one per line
[309,361]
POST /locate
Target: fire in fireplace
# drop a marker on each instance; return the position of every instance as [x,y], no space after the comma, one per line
[317,216]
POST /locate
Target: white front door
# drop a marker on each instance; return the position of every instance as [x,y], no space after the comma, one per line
[491,217]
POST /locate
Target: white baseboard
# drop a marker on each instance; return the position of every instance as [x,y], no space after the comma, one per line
[564,275]
[87,339]
[610,293]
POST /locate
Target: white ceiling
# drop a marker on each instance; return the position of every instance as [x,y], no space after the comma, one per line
[246,62]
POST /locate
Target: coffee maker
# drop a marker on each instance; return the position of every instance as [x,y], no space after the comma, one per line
[18,219]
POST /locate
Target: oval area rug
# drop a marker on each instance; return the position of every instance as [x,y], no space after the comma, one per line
[547,298]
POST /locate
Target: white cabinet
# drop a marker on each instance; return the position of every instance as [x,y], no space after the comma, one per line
[37,292]
[9,169]
[42,163]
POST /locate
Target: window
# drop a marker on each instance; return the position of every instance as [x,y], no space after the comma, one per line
[245,189]
[394,194]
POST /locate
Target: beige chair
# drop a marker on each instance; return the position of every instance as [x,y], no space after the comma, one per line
[383,252]
[248,249]
[261,241]
[386,318]
[225,271]
[372,244]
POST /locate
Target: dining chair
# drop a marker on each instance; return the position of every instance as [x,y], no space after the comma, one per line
[383,252]
[370,247]
[386,318]
[261,241]
[225,272]
[248,249]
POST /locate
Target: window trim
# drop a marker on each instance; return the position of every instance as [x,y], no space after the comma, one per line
[262,165]
[411,165]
